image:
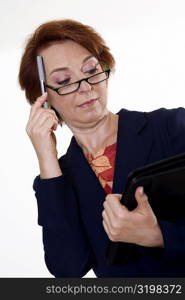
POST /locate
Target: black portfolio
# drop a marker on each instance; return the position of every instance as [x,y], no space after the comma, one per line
[164,184]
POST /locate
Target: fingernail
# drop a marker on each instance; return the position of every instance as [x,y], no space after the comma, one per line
[141,190]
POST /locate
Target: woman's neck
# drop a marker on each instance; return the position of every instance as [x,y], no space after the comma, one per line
[103,133]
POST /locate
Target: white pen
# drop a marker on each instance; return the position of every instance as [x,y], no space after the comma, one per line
[41,72]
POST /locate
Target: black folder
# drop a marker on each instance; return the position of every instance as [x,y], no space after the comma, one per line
[164,184]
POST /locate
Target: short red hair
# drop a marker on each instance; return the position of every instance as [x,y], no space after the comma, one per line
[54,31]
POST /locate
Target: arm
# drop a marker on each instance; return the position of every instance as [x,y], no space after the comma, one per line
[139,226]
[67,250]
[174,232]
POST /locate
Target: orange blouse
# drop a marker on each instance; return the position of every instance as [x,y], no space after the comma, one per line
[102,163]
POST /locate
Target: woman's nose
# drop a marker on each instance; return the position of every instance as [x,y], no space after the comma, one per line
[84,86]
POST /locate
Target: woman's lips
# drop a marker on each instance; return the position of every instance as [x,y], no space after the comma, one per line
[87,103]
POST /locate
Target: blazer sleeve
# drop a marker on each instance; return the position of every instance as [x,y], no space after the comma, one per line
[173,232]
[175,122]
[67,249]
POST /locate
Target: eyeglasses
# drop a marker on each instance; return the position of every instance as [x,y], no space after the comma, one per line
[72,87]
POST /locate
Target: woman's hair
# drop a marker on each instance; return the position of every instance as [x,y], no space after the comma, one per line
[55,31]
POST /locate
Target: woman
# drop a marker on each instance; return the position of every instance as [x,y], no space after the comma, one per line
[79,194]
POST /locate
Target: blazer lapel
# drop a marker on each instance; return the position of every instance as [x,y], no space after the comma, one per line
[79,170]
[134,143]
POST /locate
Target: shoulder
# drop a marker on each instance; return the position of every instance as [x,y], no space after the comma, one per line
[167,125]
[69,158]
[62,160]
[165,114]
[159,116]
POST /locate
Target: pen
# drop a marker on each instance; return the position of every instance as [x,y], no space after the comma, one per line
[41,72]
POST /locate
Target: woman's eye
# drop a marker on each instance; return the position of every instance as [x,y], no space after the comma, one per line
[92,71]
[64,82]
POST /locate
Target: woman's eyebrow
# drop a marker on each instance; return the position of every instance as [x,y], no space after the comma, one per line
[58,69]
[66,68]
[87,58]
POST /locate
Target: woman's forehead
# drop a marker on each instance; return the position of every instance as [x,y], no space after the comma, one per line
[66,49]
[65,55]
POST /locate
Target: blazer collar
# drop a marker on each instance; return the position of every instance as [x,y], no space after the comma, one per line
[134,142]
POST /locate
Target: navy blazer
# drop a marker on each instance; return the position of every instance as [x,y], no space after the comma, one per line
[70,206]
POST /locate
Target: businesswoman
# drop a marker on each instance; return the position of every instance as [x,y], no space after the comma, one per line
[79,194]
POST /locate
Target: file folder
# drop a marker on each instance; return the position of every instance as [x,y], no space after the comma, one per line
[164,184]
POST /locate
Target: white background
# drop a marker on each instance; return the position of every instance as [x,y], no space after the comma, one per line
[147,38]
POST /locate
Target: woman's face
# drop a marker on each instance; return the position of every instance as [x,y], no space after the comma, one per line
[67,62]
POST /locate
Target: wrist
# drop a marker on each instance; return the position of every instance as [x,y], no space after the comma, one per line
[156,238]
[49,168]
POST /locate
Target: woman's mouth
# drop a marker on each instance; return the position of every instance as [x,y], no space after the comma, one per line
[88,103]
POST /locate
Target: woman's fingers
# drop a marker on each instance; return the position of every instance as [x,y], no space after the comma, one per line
[38,103]
[41,124]
[40,116]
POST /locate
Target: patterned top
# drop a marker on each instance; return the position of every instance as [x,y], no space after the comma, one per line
[102,163]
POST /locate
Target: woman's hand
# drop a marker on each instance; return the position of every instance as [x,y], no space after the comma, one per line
[40,126]
[138,226]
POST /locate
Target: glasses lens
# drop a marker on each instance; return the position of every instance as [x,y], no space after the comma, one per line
[92,80]
[98,77]
[68,88]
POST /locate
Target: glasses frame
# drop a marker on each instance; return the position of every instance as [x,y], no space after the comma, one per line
[79,82]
